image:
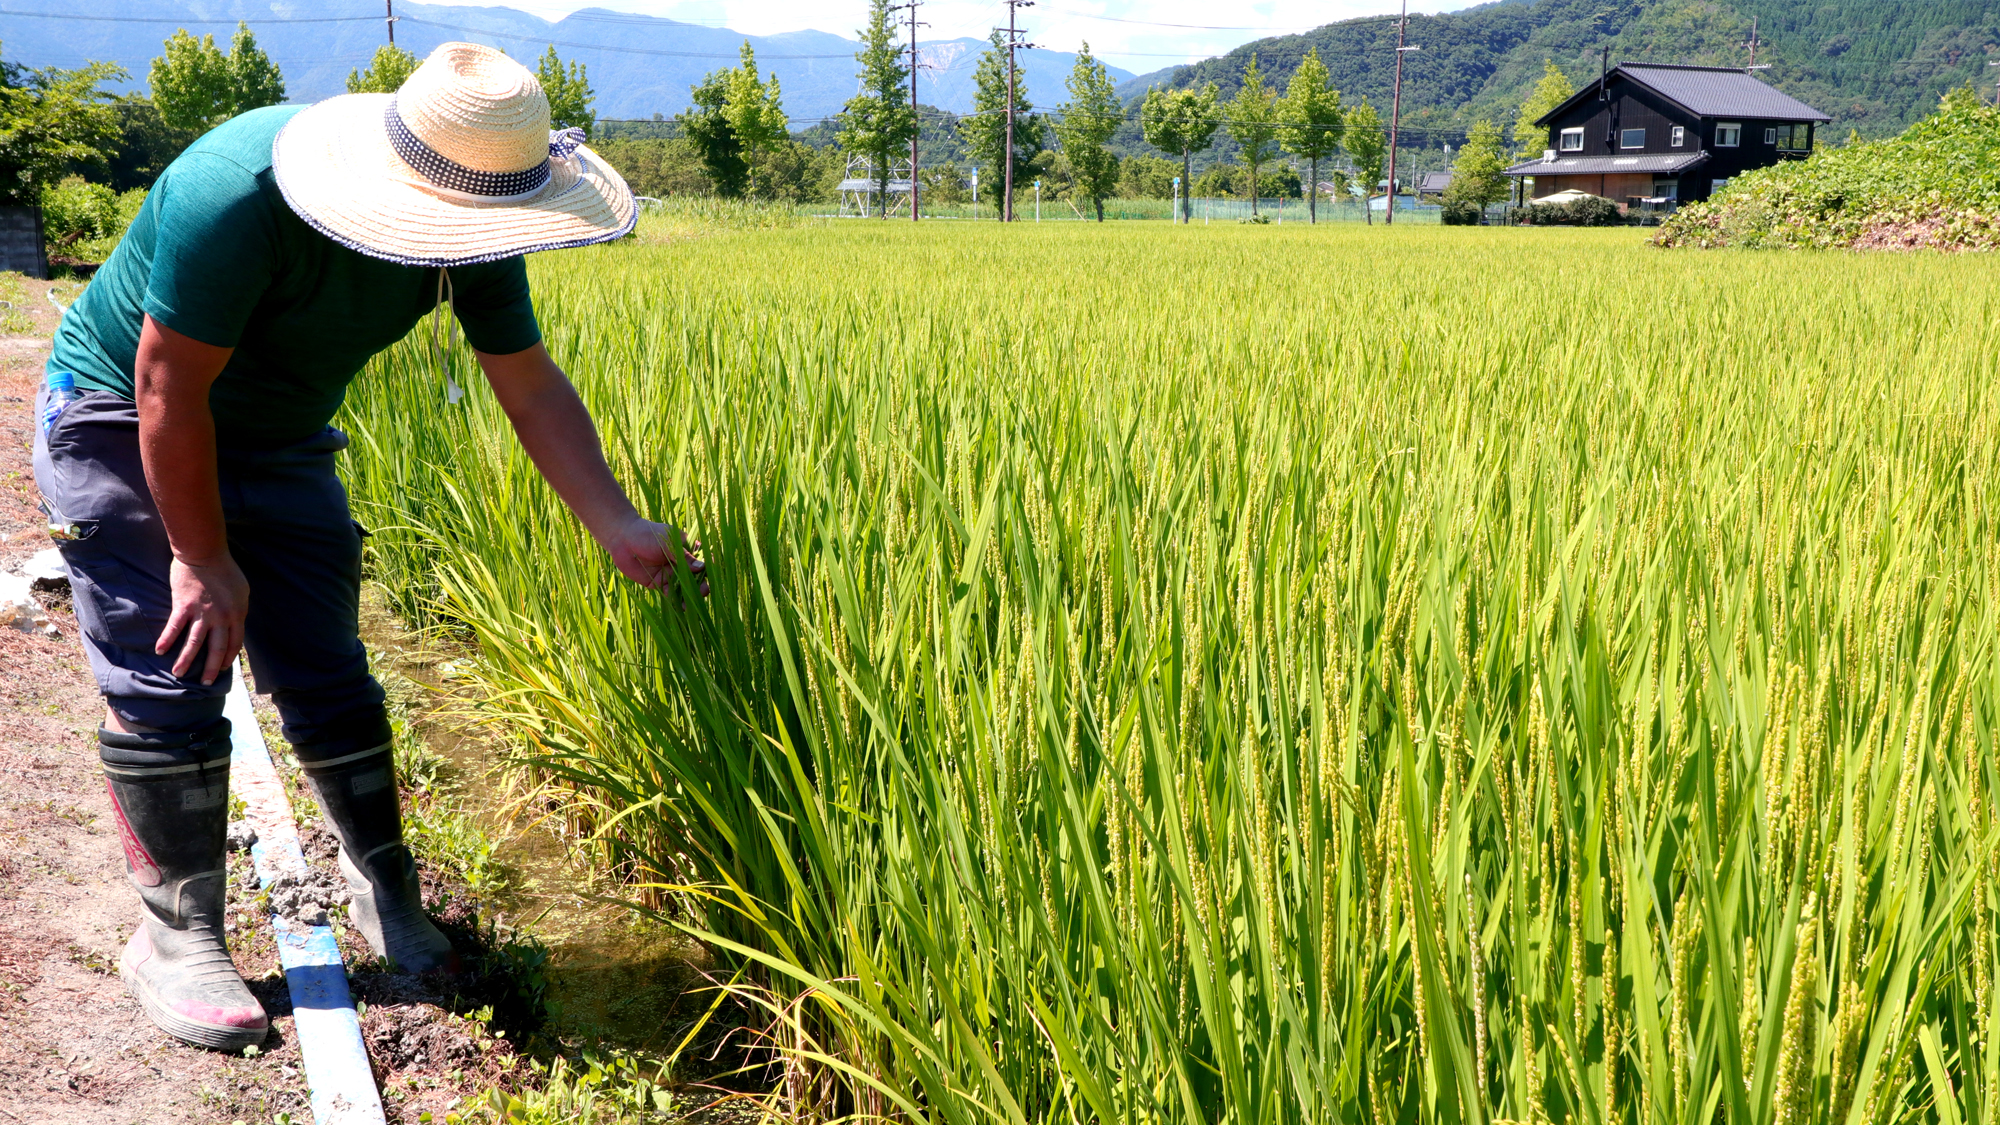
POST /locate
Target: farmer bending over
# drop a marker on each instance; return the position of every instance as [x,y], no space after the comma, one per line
[191,481]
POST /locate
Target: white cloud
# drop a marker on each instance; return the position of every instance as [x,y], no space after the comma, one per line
[1127,33]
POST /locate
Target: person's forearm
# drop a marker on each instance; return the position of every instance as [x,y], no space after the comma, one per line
[559,436]
[177,447]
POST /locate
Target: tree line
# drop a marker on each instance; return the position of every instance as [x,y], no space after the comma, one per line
[68,144]
[736,137]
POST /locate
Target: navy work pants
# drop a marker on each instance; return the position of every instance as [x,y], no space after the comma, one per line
[290,532]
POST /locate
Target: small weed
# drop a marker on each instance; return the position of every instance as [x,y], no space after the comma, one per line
[618,1090]
[91,959]
[449,839]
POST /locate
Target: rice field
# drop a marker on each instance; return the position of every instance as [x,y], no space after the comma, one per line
[1269,675]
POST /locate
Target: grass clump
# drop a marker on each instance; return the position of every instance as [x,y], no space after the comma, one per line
[1937,186]
[14,318]
[1394,691]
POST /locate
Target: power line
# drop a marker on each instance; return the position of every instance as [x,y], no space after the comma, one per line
[162,19]
[1192,26]
[597,46]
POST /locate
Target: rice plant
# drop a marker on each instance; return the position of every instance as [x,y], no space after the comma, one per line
[1270,675]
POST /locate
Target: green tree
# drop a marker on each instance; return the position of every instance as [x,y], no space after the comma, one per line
[1553,90]
[146,144]
[52,119]
[755,108]
[385,72]
[1368,148]
[1478,176]
[198,87]
[658,167]
[1146,177]
[879,120]
[736,116]
[1183,122]
[984,130]
[254,80]
[1309,120]
[569,93]
[706,126]
[1253,121]
[1087,121]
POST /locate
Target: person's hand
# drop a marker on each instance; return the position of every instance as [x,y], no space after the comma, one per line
[211,599]
[647,553]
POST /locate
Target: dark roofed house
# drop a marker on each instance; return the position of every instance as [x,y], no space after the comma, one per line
[1661,131]
[1433,183]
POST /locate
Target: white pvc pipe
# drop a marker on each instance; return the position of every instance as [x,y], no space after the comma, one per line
[323,1019]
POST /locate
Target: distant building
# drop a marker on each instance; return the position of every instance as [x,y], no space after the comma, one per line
[1657,131]
[1433,183]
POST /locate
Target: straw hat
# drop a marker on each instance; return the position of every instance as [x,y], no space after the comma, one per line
[458,166]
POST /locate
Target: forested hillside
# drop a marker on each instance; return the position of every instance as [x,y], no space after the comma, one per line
[1875,65]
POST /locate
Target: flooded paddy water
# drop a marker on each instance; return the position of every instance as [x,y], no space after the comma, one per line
[616,980]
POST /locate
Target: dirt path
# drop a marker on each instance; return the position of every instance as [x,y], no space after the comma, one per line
[74,1048]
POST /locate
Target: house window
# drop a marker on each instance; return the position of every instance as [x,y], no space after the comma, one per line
[1728,134]
[1632,138]
[1770,136]
[1795,138]
[1716,185]
[1680,135]
[1572,140]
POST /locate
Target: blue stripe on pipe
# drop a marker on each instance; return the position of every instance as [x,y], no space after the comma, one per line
[323,1018]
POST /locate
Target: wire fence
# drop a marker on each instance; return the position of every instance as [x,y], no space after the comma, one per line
[1203,211]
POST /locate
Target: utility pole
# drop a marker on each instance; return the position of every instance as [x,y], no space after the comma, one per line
[1396,112]
[1753,48]
[1013,44]
[915,118]
[389,9]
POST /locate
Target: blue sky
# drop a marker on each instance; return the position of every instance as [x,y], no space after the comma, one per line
[1139,36]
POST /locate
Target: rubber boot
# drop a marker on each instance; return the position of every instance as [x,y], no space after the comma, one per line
[358,794]
[170,795]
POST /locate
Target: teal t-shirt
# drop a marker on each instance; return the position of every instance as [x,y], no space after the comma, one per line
[217,254]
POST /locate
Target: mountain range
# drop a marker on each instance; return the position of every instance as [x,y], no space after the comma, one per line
[639,65]
[1874,65]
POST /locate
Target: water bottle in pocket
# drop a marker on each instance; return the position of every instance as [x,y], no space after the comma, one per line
[61,392]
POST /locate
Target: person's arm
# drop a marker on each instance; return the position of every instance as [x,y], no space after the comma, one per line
[170,382]
[558,434]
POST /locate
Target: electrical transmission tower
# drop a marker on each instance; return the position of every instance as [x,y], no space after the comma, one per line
[1014,43]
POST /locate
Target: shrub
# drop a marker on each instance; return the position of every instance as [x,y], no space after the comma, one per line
[88,219]
[1933,186]
[76,206]
[1593,211]
[1460,213]
[1590,211]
